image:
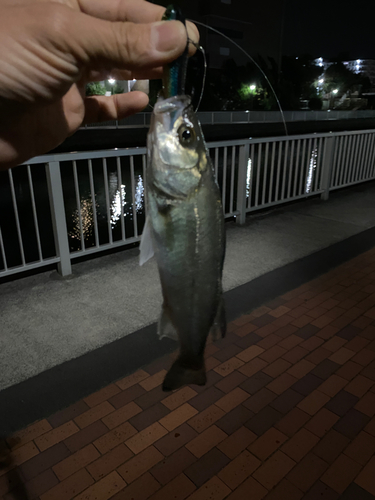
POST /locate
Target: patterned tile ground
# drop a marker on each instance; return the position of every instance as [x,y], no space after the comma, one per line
[288,412]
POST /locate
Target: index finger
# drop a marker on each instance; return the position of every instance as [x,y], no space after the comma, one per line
[136,11]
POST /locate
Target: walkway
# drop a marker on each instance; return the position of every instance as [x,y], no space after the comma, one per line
[288,412]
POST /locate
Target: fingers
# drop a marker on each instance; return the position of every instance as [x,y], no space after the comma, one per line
[102,45]
[100,108]
[136,11]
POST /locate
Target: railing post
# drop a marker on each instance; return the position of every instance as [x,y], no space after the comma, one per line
[327,165]
[60,231]
[241,183]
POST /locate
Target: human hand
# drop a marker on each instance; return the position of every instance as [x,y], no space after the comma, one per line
[50,49]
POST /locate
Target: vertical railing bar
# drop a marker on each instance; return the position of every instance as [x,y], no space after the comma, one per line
[284,170]
[15,208]
[319,151]
[354,160]
[233,167]
[265,169]
[217,164]
[372,160]
[119,187]
[258,174]
[347,160]
[135,223]
[326,166]
[308,164]
[359,158]
[342,159]
[291,168]
[371,156]
[277,197]
[354,163]
[272,171]
[78,201]
[106,190]
[302,173]
[251,177]
[35,216]
[340,166]
[3,251]
[334,163]
[243,159]
[365,156]
[223,194]
[58,215]
[363,152]
[93,201]
[296,174]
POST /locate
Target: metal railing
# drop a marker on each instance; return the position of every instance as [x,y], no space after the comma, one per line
[141,120]
[59,207]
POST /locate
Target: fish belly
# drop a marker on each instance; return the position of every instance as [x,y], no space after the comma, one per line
[188,237]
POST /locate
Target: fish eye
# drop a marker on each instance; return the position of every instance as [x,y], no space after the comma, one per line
[186,135]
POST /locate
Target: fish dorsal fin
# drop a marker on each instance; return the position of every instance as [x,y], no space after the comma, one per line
[146,248]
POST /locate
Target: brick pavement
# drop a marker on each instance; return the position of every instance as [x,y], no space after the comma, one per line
[288,412]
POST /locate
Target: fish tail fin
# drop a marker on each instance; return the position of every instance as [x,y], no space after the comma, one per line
[180,374]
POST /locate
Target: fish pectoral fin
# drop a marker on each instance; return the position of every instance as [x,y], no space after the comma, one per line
[146,248]
[165,326]
[179,375]
[219,326]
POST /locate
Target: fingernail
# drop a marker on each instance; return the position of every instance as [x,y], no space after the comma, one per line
[168,35]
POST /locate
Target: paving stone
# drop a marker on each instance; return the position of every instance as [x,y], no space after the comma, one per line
[233,420]
[307,384]
[325,369]
[256,382]
[263,420]
[342,402]
[206,467]
[322,492]
[352,423]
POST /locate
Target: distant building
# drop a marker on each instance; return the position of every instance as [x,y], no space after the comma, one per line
[323,63]
[364,66]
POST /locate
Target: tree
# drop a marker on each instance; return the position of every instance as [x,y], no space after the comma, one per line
[95,88]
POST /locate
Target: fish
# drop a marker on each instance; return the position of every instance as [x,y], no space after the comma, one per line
[185,230]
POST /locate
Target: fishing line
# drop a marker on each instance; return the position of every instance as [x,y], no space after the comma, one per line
[253,61]
[202,51]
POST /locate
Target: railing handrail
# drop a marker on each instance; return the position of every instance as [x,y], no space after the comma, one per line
[108,153]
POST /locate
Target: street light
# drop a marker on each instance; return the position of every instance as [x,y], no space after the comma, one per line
[252,87]
[334,91]
[111,81]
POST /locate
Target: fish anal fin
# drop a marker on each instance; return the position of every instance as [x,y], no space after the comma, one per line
[146,248]
[165,325]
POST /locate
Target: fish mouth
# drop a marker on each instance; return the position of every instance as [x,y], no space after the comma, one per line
[172,104]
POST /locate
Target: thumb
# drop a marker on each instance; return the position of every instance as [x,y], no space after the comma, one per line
[124,45]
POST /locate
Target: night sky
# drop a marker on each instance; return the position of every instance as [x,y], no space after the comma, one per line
[325,28]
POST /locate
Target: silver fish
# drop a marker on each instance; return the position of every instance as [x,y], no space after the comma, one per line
[186,222]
